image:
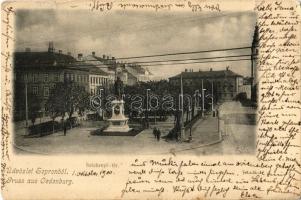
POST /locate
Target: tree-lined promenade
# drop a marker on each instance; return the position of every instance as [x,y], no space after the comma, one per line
[205,138]
[144,102]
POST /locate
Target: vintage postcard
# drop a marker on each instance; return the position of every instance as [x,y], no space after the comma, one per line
[127,99]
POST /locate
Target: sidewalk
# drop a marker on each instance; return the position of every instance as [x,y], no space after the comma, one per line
[206,130]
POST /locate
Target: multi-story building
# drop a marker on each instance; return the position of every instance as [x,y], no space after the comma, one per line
[99,63]
[98,80]
[36,73]
[224,84]
[142,74]
[125,76]
[246,87]
[129,73]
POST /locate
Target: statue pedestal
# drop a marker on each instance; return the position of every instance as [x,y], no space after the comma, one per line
[118,121]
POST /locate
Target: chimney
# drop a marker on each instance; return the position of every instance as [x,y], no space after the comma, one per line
[108,57]
[60,51]
[211,69]
[27,49]
[104,56]
[185,70]
[51,47]
[93,53]
[80,56]
[227,68]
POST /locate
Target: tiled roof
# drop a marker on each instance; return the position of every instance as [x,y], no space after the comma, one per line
[42,59]
[138,69]
[79,65]
[98,71]
[206,74]
[105,62]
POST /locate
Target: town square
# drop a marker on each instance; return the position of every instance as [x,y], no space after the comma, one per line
[99,98]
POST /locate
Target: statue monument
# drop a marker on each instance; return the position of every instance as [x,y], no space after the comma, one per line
[118,121]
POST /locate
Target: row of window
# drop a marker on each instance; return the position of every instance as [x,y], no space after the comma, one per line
[193,82]
[46,90]
[98,80]
[84,79]
[35,90]
[36,77]
[77,77]
[94,91]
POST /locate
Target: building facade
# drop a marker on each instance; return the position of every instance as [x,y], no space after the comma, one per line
[98,62]
[37,73]
[129,73]
[141,74]
[223,84]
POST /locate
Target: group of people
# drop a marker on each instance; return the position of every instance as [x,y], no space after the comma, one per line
[157,133]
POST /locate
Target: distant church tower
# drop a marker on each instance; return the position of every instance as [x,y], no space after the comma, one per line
[51,47]
[254,61]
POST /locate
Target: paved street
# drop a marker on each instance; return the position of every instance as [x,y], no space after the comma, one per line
[205,140]
[79,140]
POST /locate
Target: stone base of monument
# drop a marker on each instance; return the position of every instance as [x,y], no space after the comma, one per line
[102,132]
[118,124]
[118,121]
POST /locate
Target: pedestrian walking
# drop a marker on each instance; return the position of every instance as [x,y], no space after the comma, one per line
[158,134]
[155,132]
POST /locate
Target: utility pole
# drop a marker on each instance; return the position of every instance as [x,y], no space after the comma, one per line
[26,105]
[182,112]
[203,98]
[147,109]
[212,96]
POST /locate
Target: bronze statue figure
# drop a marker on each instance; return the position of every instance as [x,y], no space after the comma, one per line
[118,88]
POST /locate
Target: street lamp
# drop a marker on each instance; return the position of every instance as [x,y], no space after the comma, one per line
[100,110]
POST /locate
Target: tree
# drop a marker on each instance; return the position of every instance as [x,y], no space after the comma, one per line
[34,107]
[55,104]
[76,98]
[67,97]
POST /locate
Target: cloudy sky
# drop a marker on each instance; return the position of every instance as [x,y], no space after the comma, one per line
[136,33]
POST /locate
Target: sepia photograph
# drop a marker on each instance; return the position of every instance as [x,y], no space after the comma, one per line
[149,99]
[134,82]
